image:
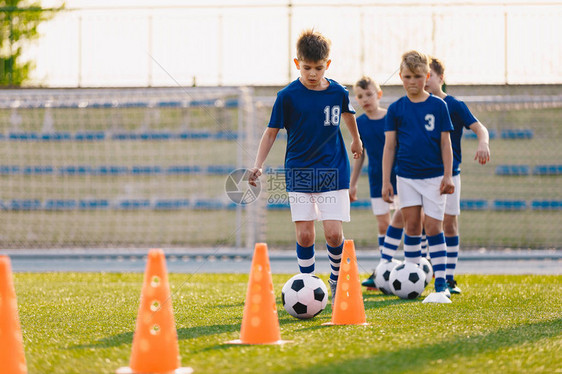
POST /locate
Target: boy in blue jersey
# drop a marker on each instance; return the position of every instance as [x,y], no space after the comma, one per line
[316,164]
[417,134]
[461,118]
[371,129]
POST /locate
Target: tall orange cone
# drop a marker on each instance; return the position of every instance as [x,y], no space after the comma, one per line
[348,308]
[260,324]
[12,355]
[155,343]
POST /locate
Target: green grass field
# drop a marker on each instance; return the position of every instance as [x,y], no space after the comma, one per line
[84,323]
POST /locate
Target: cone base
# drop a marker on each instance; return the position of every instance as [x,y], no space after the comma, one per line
[345,324]
[128,370]
[240,342]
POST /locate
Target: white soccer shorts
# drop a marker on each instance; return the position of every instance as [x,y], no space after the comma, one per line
[453,204]
[422,192]
[381,207]
[321,206]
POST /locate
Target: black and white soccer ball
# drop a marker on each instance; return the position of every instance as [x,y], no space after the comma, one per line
[382,275]
[407,281]
[425,265]
[304,296]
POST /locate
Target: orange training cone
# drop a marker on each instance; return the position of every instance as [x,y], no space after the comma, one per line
[348,308]
[12,355]
[155,343]
[260,324]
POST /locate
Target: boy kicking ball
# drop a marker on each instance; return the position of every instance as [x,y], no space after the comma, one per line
[420,123]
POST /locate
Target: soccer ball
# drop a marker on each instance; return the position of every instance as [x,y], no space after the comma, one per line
[382,275]
[304,296]
[425,265]
[407,281]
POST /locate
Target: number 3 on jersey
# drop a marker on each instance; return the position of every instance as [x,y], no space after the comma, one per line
[429,122]
[331,115]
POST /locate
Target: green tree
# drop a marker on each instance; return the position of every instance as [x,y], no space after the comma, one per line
[19,20]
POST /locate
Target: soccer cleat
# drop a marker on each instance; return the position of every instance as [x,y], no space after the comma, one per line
[437,297]
[333,286]
[447,293]
[452,286]
[370,283]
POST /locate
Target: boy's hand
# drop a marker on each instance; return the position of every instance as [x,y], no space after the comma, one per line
[353,193]
[482,153]
[447,186]
[387,192]
[254,175]
[357,148]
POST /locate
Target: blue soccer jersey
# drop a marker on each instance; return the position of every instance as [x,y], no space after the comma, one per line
[372,136]
[418,129]
[316,158]
[461,118]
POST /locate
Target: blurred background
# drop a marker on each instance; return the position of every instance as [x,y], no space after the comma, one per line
[121,121]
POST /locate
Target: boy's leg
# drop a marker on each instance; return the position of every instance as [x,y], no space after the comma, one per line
[412,237]
[334,234]
[437,251]
[305,246]
[451,229]
[333,209]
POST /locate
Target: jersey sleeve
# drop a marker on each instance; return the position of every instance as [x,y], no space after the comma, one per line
[390,119]
[346,105]
[446,123]
[466,115]
[277,120]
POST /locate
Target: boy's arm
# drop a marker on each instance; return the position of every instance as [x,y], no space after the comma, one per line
[387,162]
[266,142]
[483,151]
[356,144]
[447,186]
[357,166]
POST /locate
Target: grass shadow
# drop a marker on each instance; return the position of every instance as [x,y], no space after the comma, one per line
[419,357]
[108,342]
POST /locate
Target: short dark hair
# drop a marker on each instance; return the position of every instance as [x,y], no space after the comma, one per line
[313,46]
[365,81]
[437,65]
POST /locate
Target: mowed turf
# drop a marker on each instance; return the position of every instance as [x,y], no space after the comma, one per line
[84,323]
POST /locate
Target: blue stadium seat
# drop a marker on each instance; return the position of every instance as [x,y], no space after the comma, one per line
[470,204]
[75,170]
[220,169]
[93,204]
[510,204]
[25,204]
[469,134]
[278,206]
[60,204]
[156,135]
[111,170]
[546,204]
[208,204]
[146,169]
[361,204]
[9,169]
[89,135]
[23,136]
[517,133]
[130,204]
[125,136]
[194,135]
[226,135]
[184,169]
[39,169]
[547,170]
[55,136]
[512,170]
[171,204]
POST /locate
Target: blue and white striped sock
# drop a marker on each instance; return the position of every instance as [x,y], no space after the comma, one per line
[452,256]
[412,249]
[424,245]
[305,258]
[438,254]
[381,242]
[391,243]
[334,255]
